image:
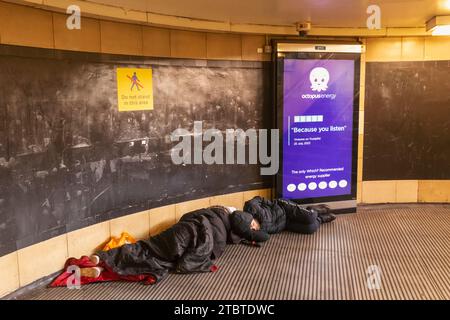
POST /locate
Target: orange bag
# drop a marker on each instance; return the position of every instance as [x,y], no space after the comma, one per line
[125,238]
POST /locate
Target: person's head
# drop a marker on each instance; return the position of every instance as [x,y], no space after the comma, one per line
[245,226]
[255,225]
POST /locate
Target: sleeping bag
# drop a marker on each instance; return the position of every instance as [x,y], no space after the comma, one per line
[190,245]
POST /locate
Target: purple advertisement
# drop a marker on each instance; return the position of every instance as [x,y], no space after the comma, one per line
[317,131]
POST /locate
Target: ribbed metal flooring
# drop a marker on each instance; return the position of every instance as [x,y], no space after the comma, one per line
[410,244]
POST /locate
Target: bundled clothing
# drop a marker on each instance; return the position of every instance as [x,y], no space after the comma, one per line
[282,214]
[270,215]
[200,237]
[190,245]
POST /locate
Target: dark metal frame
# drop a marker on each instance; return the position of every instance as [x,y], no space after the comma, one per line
[278,63]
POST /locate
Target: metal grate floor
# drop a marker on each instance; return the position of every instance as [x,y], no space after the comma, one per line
[409,244]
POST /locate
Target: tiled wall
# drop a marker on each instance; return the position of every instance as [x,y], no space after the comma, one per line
[20,25]
[47,30]
[27,265]
[403,49]
[404,191]
[407,49]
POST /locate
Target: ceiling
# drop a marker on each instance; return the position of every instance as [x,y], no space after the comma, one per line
[323,13]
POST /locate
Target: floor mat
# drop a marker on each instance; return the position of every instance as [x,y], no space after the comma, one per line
[381,252]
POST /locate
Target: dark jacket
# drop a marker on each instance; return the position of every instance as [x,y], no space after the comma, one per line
[219,218]
[282,214]
[269,214]
[190,245]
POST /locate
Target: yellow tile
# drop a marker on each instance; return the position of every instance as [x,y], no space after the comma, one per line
[88,240]
[230,200]
[250,45]
[437,48]
[25,26]
[121,38]
[446,187]
[407,190]
[362,98]
[413,48]
[137,225]
[223,46]
[161,218]
[156,42]
[9,274]
[434,191]
[362,79]
[42,259]
[361,122]
[188,206]
[359,192]
[85,39]
[384,49]
[362,73]
[265,193]
[378,191]
[92,8]
[188,44]
[360,170]
[360,145]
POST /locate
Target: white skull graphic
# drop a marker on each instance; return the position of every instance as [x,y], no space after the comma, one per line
[319,78]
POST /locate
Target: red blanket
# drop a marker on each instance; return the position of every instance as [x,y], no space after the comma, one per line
[106,275]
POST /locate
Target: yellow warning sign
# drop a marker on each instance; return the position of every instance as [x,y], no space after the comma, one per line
[134,89]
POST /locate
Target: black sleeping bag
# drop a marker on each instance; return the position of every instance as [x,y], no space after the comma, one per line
[281,214]
[190,245]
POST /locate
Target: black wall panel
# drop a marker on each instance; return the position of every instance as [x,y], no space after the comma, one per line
[69,159]
[407,121]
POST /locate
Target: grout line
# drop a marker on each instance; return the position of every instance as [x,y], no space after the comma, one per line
[424,49]
[109,228]
[206,44]
[18,270]
[53,30]
[101,34]
[417,191]
[240,43]
[395,189]
[142,40]
[170,43]
[401,49]
[149,222]
[67,245]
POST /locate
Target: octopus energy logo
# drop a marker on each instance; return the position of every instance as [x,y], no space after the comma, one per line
[319,78]
[235,142]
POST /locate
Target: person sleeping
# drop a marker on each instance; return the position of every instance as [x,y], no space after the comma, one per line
[196,241]
[191,245]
